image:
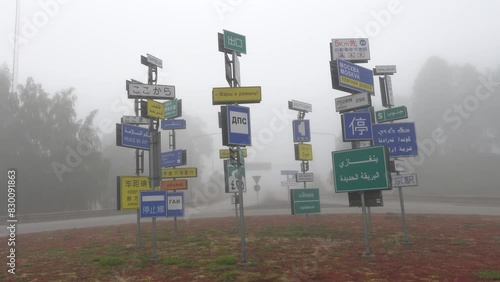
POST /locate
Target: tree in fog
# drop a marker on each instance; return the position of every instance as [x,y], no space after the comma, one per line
[58,158]
[454,109]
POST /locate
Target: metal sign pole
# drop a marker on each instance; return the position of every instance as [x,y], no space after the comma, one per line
[138,239]
[175,217]
[242,215]
[365,225]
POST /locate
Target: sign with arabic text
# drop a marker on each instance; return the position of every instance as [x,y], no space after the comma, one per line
[399,138]
[132,136]
[361,169]
[391,114]
[171,124]
[155,109]
[305,201]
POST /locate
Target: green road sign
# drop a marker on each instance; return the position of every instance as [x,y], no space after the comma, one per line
[173,108]
[361,169]
[391,114]
[305,201]
[235,42]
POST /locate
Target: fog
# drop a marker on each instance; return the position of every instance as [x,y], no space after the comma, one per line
[446,54]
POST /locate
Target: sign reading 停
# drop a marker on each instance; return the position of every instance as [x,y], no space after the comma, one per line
[357,126]
[355,77]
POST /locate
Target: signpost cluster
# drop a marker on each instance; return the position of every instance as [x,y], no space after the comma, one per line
[365,170]
[148,195]
[234,121]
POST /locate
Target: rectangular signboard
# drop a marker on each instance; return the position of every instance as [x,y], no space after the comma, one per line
[175,204]
[173,158]
[361,169]
[373,198]
[173,108]
[384,70]
[305,201]
[171,124]
[391,114]
[152,91]
[397,165]
[299,106]
[128,191]
[305,177]
[154,61]
[231,179]
[399,138]
[153,203]
[303,152]
[355,50]
[353,102]
[134,120]
[386,91]
[236,130]
[178,184]
[224,153]
[290,184]
[356,126]
[404,180]
[355,77]
[179,172]
[301,130]
[155,109]
[133,136]
[240,95]
[235,42]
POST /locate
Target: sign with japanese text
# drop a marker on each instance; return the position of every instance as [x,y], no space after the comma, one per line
[153,203]
[178,184]
[355,77]
[151,91]
[301,130]
[356,126]
[175,204]
[303,152]
[179,172]
[240,95]
[355,50]
[404,180]
[235,42]
[361,169]
[399,138]
[128,191]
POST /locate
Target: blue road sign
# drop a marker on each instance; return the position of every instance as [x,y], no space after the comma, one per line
[153,203]
[399,138]
[169,124]
[173,158]
[301,131]
[355,77]
[238,126]
[357,126]
[175,204]
[135,137]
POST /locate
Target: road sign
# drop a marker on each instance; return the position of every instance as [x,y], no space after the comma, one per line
[399,138]
[356,126]
[355,77]
[236,130]
[154,61]
[303,152]
[391,114]
[289,172]
[173,108]
[256,178]
[153,203]
[353,102]
[134,120]
[299,106]
[240,95]
[305,177]
[397,165]
[175,204]
[361,169]
[373,198]
[386,91]
[178,184]
[355,50]
[301,130]
[305,201]
[171,124]
[184,172]
[290,183]
[235,42]
[128,191]
[224,153]
[237,73]
[384,70]
[231,178]
[404,180]
[132,136]
[152,91]
[173,158]
[155,109]
[228,69]
[256,188]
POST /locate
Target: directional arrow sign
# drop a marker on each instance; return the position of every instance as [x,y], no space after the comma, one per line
[152,91]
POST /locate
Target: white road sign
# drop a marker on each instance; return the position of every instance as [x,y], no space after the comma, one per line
[155,61]
[350,49]
[134,120]
[152,91]
[305,177]
[353,102]
[299,106]
[404,180]
[383,70]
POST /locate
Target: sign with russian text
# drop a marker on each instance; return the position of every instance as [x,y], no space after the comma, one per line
[399,138]
[128,191]
[350,49]
[353,102]
[153,203]
[361,169]
[240,95]
[151,91]
[175,204]
[355,77]
[357,126]
[178,184]
[236,130]
[132,136]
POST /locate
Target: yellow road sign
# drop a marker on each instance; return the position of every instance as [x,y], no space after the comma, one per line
[241,95]
[156,109]
[179,172]
[224,153]
[303,152]
[129,188]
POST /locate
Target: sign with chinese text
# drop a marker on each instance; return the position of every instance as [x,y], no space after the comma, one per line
[399,138]
[153,203]
[355,77]
[350,49]
[404,180]
[235,42]
[151,91]
[179,172]
[361,169]
[128,191]
[357,126]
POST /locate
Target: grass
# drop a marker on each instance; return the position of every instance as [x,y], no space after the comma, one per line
[226,260]
[108,261]
[460,243]
[488,274]
[229,276]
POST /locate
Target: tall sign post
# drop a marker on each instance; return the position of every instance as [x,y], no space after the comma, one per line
[234,119]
